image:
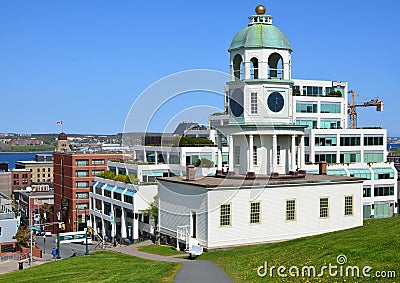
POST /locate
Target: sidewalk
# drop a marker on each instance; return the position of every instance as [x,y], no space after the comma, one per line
[194,271]
[11,266]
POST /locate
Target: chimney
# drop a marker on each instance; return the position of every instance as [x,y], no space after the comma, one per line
[322,168]
[190,173]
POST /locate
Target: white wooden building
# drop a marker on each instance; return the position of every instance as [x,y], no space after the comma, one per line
[224,212]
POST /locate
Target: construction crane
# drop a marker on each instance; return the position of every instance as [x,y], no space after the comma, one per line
[353,105]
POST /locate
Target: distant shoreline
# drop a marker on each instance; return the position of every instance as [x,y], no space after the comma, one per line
[39,151]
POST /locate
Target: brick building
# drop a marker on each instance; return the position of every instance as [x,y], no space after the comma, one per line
[73,174]
[20,178]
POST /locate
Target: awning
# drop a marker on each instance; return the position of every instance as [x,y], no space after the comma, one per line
[94,182]
[119,190]
[109,188]
[130,193]
[99,185]
[153,174]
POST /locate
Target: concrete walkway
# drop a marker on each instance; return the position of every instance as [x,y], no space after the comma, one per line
[193,271]
[10,266]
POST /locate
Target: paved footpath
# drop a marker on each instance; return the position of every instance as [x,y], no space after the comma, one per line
[193,271]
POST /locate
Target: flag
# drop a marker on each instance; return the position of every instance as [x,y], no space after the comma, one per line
[59,123]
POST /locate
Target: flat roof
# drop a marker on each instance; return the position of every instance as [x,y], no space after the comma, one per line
[260,180]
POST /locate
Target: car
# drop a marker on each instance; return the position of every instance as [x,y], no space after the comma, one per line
[89,241]
[48,233]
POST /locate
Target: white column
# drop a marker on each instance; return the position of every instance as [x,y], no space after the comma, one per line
[94,224]
[135,226]
[302,160]
[167,157]
[293,153]
[103,228]
[155,157]
[250,167]
[274,153]
[123,223]
[231,153]
[219,152]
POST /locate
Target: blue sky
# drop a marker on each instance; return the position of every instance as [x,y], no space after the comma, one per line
[85,62]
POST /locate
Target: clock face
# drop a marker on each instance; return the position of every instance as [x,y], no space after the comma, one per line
[236,103]
[275,101]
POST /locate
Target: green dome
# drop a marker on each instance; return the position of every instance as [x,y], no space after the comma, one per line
[260,36]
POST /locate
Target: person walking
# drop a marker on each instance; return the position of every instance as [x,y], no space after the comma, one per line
[54,253]
[73,253]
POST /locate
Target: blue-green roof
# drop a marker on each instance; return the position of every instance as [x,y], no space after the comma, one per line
[260,36]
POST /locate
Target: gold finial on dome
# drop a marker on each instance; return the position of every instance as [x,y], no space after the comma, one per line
[260,10]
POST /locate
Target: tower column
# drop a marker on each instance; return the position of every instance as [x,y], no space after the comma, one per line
[302,160]
[231,155]
[250,164]
[293,154]
[274,153]
[219,152]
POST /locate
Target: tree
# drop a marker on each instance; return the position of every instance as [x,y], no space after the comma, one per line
[23,236]
[204,162]
[154,211]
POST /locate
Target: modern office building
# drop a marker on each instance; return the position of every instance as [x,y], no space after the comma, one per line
[73,174]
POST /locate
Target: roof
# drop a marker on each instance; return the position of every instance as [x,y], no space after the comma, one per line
[260,36]
[261,181]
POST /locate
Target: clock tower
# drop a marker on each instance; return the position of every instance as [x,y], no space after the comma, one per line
[260,62]
[259,125]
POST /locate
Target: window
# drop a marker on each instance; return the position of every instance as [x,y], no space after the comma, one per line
[328,157]
[278,155]
[324,207]
[334,91]
[128,199]
[348,205]
[350,141]
[107,193]
[99,191]
[311,124]
[82,195]
[380,191]
[255,212]
[238,67]
[81,206]
[312,90]
[43,169]
[325,141]
[117,196]
[82,184]
[330,108]
[237,155]
[336,172]
[254,155]
[373,140]
[306,141]
[306,107]
[383,173]
[366,192]
[350,157]
[370,156]
[253,103]
[225,215]
[253,68]
[82,173]
[82,162]
[296,90]
[98,161]
[360,173]
[291,210]
[98,204]
[329,124]
[97,172]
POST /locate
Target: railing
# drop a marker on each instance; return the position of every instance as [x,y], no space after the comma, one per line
[182,233]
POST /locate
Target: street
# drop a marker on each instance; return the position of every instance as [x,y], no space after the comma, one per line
[65,249]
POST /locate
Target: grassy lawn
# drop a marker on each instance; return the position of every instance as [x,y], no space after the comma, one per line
[100,266]
[160,250]
[376,244]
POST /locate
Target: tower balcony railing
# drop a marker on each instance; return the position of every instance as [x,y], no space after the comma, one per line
[275,74]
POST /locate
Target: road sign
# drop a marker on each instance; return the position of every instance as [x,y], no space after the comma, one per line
[72,237]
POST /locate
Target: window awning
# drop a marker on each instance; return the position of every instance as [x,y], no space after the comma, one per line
[109,188]
[93,183]
[153,174]
[99,185]
[130,193]
[119,190]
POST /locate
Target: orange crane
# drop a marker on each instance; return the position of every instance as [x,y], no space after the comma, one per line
[353,105]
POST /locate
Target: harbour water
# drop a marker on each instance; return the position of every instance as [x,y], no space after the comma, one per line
[13,157]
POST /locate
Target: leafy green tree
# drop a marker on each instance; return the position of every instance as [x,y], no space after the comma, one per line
[154,211]
[204,162]
[23,236]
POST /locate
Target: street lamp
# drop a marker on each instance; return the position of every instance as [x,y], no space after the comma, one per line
[44,243]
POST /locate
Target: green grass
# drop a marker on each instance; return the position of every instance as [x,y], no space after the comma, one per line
[32,148]
[160,250]
[100,266]
[376,244]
